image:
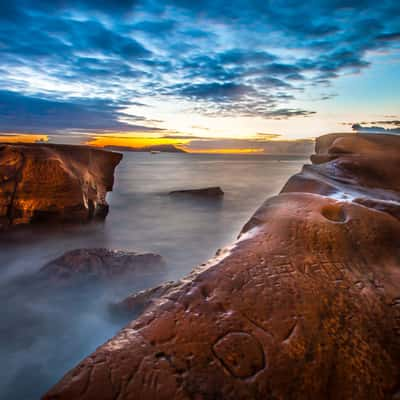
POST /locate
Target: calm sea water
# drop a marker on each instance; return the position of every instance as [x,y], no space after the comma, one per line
[42,336]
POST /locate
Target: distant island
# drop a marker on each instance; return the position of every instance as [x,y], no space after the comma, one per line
[162,148]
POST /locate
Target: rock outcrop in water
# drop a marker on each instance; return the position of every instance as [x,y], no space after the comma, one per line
[209,192]
[45,182]
[305,305]
[137,302]
[83,266]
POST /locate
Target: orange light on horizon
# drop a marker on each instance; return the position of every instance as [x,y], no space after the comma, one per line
[133,142]
[23,138]
[146,144]
[224,151]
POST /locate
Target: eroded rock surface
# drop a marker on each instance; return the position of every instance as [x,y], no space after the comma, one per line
[44,182]
[99,266]
[305,305]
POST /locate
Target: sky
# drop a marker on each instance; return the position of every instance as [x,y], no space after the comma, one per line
[249,76]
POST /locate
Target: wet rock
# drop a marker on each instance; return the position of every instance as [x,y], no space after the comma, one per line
[99,266]
[46,182]
[210,192]
[305,305]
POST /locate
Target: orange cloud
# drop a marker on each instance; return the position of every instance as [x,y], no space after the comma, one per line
[133,142]
[146,143]
[16,138]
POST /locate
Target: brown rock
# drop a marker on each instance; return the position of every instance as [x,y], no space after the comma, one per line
[44,182]
[99,265]
[137,302]
[305,305]
[215,191]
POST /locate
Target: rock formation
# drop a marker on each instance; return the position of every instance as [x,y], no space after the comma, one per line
[137,302]
[209,192]
[99,266]
[305,305]
[44,182]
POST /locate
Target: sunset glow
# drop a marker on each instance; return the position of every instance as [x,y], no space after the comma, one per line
[200,70]
[225,151]
[18,138]
[132,142]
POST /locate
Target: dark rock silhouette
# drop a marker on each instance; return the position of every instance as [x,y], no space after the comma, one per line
[305,305]
[210,192]
[45,182]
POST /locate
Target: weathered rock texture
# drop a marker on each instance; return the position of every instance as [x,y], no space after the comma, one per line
[305,305]
[43,182]
[99,265]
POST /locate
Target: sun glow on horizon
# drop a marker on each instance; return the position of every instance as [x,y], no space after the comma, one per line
[224,151]
[149,143]
[133,142]
[23,138]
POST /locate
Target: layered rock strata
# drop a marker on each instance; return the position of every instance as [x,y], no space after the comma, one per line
[44,182]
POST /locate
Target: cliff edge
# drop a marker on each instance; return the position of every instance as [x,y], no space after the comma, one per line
[47,182]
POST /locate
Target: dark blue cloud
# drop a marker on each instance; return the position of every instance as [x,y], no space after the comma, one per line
[215,91]
[20,113]
[241,57]
[376,128]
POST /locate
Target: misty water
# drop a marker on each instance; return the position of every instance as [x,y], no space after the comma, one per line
[45,333]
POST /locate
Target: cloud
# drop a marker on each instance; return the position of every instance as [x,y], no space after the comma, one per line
[394,122]
[377,129]
[20,113]
[216,58]
[393,36]
[215,91]
[267,136]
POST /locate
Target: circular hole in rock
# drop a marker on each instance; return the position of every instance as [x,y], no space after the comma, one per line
[334,212]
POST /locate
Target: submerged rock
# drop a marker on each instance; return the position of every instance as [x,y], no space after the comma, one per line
[210,192]
[47,182]
[305,305]
[99,265]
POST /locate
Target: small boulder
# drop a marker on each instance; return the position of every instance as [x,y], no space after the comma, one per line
[209,192]
[137,302]
[99,266]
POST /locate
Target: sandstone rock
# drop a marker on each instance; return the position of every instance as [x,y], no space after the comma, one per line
[99,265]
[210,192]
[44,182]
[137,302]
[305,305]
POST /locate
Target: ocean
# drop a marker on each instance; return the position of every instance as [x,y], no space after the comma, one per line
[42,336]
